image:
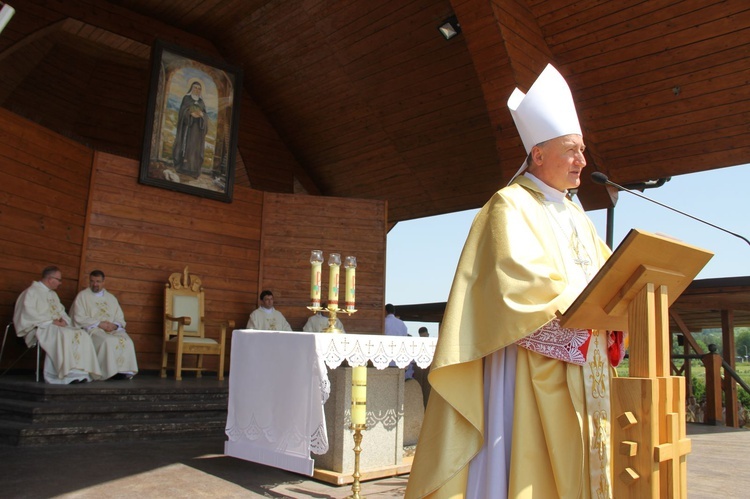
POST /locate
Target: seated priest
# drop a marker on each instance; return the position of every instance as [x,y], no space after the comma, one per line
[39,316]
[267,318]
[97,311]
[318,323]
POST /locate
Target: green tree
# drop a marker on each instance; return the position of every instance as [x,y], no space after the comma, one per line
[742,341]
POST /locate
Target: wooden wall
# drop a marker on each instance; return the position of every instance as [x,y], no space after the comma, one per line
[293,226]
[44,184]
[62,203]
[139,235]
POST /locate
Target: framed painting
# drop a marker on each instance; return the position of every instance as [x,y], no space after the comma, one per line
[190,137]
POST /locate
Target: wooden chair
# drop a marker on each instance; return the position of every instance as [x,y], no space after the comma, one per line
[184,322]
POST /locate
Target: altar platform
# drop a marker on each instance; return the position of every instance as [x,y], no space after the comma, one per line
[196,468]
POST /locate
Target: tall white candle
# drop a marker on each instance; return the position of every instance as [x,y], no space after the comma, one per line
[316,259]
[359,395]
[350,264]
[334,262]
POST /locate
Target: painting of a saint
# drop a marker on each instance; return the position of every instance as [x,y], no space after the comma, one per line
[192,129]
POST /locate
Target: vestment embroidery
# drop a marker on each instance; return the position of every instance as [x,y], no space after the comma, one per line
[551,340]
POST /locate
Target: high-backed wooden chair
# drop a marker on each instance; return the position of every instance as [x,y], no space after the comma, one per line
[184,322]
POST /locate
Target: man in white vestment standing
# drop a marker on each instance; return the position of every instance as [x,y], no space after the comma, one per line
[318,323]
[393,325]
[396,327]
[98,312]
[39,316]
[520,407]
[267,318]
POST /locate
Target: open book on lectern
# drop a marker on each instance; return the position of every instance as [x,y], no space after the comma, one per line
[641,258]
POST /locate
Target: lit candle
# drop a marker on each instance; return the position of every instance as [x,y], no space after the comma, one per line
[316,259]
[359,395]
[350,264]
[334,261]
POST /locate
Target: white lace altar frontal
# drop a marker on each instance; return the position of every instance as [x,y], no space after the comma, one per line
[278,384]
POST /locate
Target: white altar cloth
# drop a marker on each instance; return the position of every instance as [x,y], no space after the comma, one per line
[278,385]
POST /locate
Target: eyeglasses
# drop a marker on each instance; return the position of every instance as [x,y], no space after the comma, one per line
[58,279]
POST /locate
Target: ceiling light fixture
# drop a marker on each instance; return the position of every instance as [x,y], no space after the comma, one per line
[450,27]
[5,14]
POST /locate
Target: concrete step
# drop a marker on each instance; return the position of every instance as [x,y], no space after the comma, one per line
[21,434]
[34,412]
[147,407]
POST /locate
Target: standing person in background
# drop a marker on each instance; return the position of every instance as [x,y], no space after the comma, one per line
[393,325]
[520,406]
[396,327]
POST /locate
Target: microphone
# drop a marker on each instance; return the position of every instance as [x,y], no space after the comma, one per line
[600,178]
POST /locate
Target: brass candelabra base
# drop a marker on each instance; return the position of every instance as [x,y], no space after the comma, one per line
[332,315]
[356,488]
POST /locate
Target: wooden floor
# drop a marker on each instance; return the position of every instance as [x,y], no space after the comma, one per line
[719,464]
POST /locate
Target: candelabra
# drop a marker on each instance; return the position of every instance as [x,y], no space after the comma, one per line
[332,308]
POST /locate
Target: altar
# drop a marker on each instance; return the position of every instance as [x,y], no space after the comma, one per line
[283,405]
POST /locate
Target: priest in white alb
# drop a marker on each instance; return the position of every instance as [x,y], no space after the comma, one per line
[98,312]
[70,356]
[266,317]
[318,323]
[520,407]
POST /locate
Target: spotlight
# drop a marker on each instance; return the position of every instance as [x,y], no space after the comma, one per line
[5,14]
[450,27]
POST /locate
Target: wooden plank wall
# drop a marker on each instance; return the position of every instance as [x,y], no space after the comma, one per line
[44,184]
[61,203]
[139,235]
[293,226]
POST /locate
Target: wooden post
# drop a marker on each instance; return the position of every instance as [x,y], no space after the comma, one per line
[712,361]
[729,384]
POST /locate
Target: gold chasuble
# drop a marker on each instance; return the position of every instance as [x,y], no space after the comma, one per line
[512,277]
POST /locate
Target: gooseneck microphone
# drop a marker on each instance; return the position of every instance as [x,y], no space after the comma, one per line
[600,178]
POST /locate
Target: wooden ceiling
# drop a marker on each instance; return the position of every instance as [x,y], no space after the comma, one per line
[365,99]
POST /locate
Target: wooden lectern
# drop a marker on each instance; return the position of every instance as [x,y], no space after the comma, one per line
[632,292]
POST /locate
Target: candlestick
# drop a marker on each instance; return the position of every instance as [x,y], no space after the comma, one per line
[359,418]
[316,259]
[356,488]
[334,262]
[350,264]
[359,395]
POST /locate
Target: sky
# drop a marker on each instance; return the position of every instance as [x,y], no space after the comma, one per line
[422,254]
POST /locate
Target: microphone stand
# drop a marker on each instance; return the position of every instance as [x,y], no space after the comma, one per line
[600,178]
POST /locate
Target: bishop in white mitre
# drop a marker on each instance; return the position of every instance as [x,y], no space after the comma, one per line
[39,316]
[98,312]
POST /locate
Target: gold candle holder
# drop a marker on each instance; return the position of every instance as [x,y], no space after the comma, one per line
[332,316]
[356,488]
[359,420]
[332,308]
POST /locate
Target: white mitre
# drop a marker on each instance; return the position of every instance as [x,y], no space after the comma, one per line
[545,112]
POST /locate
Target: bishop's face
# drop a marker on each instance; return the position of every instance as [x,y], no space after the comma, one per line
[559,162]
[96,283]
